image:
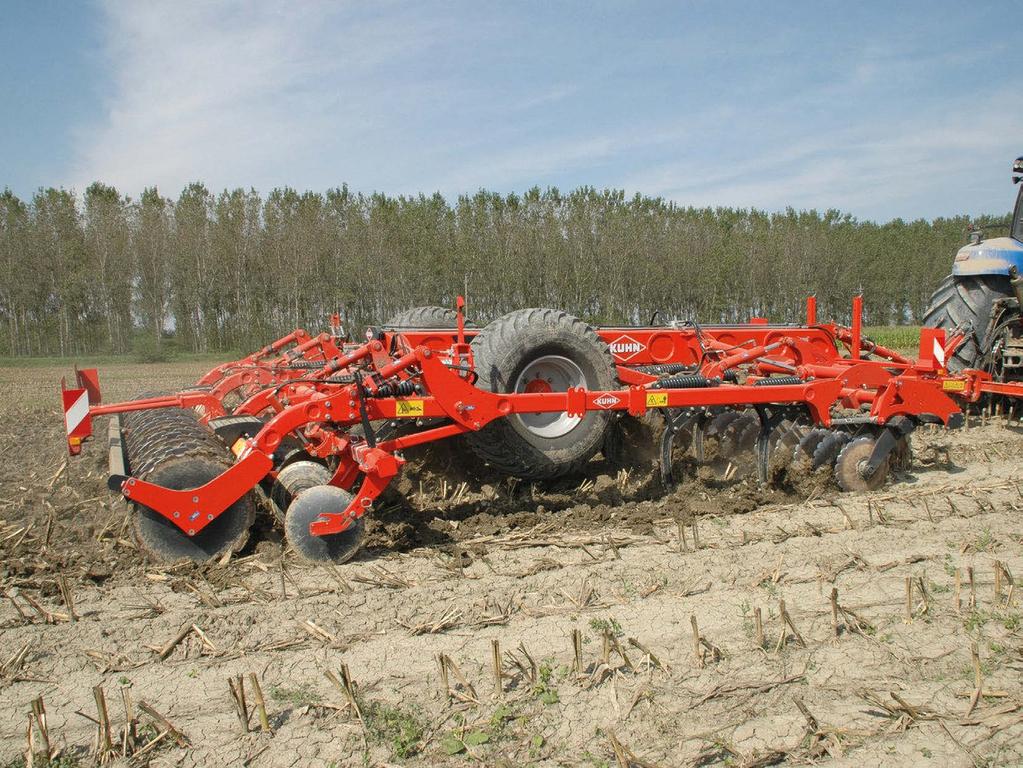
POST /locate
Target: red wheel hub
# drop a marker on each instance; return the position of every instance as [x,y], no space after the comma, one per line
[538,385]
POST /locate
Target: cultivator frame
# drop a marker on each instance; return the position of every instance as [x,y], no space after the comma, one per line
[324,400]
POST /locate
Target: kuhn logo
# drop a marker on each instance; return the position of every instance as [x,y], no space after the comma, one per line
[606,401]
[626,347]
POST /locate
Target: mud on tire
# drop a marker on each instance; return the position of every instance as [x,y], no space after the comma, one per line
[541,350]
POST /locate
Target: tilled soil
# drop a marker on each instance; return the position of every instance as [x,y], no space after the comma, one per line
[460,559]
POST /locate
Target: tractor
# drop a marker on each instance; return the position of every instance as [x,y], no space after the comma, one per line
[983,297]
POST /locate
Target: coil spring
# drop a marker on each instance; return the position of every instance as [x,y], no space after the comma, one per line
[686,382]
[667,369]
[779,381]
[305,365]
[397,389]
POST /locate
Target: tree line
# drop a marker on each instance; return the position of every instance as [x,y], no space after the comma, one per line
[104,273]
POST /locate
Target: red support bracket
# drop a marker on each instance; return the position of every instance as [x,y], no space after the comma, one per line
[194,509]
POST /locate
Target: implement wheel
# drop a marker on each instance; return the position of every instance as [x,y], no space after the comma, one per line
[162,538]
[426,317]
[541,350]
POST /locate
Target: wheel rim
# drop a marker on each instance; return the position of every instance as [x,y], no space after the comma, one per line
[550,373]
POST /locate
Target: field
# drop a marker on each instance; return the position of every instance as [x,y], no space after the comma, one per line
[721,624]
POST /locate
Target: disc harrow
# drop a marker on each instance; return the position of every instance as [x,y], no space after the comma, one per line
[320,424]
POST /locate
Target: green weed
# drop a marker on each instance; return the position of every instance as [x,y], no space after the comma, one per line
[401,730]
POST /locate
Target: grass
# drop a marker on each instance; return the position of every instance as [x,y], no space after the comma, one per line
[544,689]
[95,361]
[401,730]
[905,338]
[902,338]
[300,696]
[609,625]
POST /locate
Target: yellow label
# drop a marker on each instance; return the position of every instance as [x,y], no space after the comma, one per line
[238,445]
[953,385]
[656,399]
[408,408]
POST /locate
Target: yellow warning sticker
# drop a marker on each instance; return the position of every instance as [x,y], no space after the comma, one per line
[408,408]
[238,446]
[656,399]
[953,385]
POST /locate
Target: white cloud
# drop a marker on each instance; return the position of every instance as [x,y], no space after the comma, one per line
[411,98]
[239,93]
[938,161]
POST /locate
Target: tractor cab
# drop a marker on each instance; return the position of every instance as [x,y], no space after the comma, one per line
[995,255]
[1017,214]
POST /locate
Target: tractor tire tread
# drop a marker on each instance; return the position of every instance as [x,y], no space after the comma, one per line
[498,443]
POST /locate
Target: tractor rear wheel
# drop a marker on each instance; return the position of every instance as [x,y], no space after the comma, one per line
[965,302]
[541,350]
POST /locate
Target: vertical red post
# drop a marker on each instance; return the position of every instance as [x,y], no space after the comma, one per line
[460,305]
[811,310]
[857,325]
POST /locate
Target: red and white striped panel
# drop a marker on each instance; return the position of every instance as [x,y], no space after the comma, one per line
[77,421]
[932,348]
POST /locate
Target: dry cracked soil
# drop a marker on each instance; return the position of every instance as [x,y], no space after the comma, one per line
[592,622]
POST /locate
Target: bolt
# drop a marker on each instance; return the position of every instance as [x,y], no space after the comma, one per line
[177,514]
[191,531]
[195,499]
[209,517]
[327,403]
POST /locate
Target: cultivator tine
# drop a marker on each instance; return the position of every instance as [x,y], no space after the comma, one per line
[699,422]
[686,423]
[781,429]
[769,420]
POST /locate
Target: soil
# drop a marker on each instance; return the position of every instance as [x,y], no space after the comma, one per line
[458,559]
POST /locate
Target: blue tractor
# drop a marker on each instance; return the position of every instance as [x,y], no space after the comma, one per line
[983,298]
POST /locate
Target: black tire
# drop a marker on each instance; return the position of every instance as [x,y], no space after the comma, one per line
[502,351]
[965,302]
[169,447]
[426,317]
[162,538]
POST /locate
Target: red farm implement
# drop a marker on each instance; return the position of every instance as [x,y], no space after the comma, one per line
[317,426]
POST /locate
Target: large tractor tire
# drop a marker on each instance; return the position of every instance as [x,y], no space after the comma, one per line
[965,302]
[425,317]
[541,350]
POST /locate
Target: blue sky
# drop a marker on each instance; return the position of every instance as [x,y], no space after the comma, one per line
[879,109]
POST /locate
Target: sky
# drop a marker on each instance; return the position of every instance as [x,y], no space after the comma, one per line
[882,110]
